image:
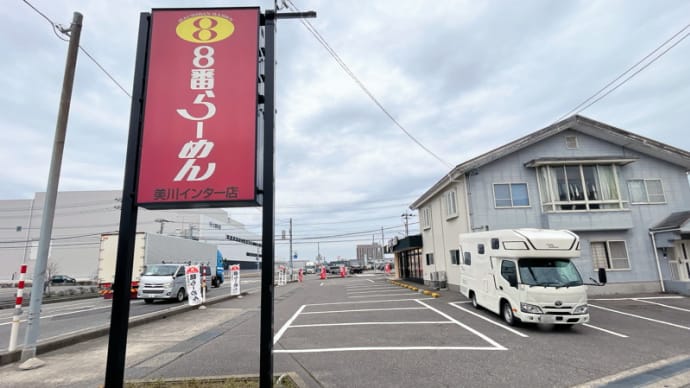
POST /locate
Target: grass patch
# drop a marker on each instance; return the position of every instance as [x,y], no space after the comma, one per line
[214,382]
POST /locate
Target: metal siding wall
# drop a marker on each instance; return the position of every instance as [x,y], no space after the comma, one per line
[510,169]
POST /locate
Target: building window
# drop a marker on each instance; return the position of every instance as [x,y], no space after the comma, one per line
[455,256]
[429,258]
[511,195]
[451,204]
[579,187]
[426,218]
[646,191]
[611,255]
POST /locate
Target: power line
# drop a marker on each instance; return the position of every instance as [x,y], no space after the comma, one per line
[56,27]
[352,75]
[593,98]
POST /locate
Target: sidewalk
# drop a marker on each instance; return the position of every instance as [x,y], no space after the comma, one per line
[83,365]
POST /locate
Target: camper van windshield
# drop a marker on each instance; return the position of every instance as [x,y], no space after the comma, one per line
[549,272]
[160,270]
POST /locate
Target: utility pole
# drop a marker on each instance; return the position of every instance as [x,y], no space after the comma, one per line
[162,221]
[406,215]
[28,356]
[290,248]
[382,240]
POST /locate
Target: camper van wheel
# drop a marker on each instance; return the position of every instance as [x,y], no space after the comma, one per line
[180,295]
[473,296]
[507,312]
[148,300]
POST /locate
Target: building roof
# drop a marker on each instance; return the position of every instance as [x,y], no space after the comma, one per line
[673,221]
[578,123]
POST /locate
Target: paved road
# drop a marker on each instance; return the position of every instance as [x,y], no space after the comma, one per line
[362,332]
[60,319]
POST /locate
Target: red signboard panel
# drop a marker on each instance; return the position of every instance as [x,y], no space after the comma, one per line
[199,132]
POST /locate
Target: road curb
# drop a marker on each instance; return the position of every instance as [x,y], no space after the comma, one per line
[61,341]
[414,288]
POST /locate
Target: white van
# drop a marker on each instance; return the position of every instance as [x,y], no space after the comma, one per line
[166,281]
[525,275]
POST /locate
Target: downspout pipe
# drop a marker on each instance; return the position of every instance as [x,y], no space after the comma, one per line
[658,266]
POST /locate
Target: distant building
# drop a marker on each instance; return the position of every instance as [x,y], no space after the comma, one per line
[369,253]
[82,216]
[625,195]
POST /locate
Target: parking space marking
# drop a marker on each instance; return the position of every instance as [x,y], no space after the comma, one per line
[448,317]
[370,292]
[449,320]
[287,324]
[362,310]
[640,298]
[663,305]
[641,317]
[386,348]
[382,294]
[365,287]
[510,329]
[367,301]
[372,323]
[605,330]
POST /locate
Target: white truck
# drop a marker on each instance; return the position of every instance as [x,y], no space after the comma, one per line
[150,248]
[525,275]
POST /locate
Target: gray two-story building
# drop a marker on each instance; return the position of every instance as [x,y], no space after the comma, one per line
[625,195]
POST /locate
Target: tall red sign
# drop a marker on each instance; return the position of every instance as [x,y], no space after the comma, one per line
[199,135]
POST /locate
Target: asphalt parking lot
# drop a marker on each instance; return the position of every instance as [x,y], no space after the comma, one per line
[412,339]
[363,331]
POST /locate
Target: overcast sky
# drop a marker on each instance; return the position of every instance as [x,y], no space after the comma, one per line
[463,77]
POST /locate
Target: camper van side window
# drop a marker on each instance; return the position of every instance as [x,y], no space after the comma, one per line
[508,272]
[468,258]
[480,249]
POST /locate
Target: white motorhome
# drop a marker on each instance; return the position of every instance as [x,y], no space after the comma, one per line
[525,275]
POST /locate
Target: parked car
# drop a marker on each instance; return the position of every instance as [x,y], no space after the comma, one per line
[62,279]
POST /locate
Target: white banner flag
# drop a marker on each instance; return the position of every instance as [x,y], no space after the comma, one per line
[193,279]
[234,279]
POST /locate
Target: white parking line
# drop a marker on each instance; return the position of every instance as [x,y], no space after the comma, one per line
[641,298]
[372,323]
[380,293]
[361,310]
[641,317]
[287,324]
[378,287]
[373,291]
[368,301]
[605,330]
[490,320]
[448,317]
[386,348]
[663,305]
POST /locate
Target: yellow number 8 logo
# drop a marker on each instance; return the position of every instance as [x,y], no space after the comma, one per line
[205,29]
